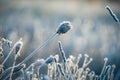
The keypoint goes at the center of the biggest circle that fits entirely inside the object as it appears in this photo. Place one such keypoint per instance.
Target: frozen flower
(64, 27)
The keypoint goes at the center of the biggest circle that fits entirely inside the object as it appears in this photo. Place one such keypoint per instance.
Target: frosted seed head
(49, 60)
(18, 47)
(106, 59)
(72, 57)
(80, 55)
(24, 65)
(64, 27)
(91, 59)
(86, 55)
(28, 72)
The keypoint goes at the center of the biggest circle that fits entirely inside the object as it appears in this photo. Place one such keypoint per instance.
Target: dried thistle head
(64, 27)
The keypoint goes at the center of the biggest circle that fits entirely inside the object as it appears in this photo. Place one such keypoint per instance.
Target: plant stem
(39, 47)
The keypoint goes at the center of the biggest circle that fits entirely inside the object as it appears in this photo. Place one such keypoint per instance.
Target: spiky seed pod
(64, 27)
(62, 51)
(18, 47)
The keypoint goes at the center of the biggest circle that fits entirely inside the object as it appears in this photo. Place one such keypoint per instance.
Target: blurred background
(94, 31)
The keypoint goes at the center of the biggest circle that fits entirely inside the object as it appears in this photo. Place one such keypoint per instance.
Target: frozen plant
(65, 69)
(68, 68)
(64, 27)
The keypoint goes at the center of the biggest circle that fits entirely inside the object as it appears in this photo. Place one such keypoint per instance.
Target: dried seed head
(64, 27)
(49, 60)
(19, 67)
(18, 47)
(86, 55)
